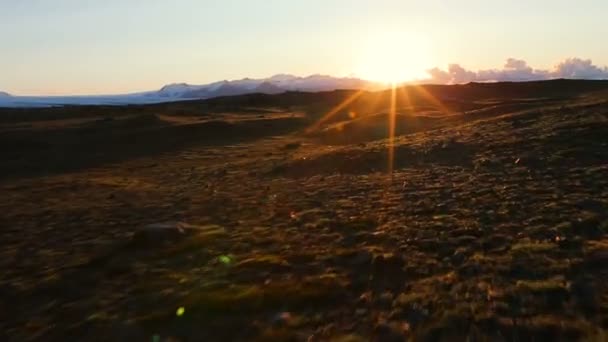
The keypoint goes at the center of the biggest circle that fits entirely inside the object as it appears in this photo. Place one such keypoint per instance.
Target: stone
(387, 263)
(458, 257)
(390, 332)
(173, 231)
(384, 300)
(588, 225)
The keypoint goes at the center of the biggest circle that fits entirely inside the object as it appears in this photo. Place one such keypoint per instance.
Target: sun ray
(428, 96)
(373, 103)
(392, 117)
(406, 95)
(335, 110)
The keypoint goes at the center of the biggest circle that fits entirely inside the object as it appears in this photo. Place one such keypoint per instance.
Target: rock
(361, 312)
(346, 338)
(564, 228)
(393, 332)
(458, 257)
(530, 161)
(118, 331)
(585, 293)
(573, 243)
(466, 240)
(282, 319)
(496, 241)
(518, 123)
(360, 258)
(396, 314)
(173, 231)
(384, 300)
(591, 205)
(292, 145)
(416, 314)
(428, 245)
(387, 264)
(588, 225)
(597, 258)
(486, 163)
(365, 298)
(541, 232)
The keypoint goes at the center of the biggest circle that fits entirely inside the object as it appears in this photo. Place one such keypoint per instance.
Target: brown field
(265, 220)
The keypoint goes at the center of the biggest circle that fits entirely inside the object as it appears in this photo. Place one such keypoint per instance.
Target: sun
(394, 57)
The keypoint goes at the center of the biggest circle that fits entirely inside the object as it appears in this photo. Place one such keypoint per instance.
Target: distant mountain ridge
(272, 85)
(183, 91)
(316, 83)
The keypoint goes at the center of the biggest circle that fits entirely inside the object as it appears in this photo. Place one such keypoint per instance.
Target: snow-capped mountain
(268, 88)
(4, 94)
(182, 91)
(173, 90)
(272, 85)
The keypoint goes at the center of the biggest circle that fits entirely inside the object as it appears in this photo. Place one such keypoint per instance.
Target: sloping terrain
(153, 224)
(181, 91)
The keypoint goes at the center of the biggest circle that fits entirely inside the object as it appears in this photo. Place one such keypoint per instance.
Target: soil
(229, 220)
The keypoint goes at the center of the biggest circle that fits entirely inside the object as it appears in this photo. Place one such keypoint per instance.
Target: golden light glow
(432, 99)
(394, 57)
(392, 122)
(398, 67)
(335, 110)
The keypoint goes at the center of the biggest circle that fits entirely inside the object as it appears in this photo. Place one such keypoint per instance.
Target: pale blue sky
(114, 46)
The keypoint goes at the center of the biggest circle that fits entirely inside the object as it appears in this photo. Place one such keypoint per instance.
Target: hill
(183, 91)
(297, 216)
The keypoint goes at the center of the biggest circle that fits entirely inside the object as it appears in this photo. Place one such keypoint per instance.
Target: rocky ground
(489, 229)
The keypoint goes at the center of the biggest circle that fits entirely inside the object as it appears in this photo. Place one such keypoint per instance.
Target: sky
(56, 47)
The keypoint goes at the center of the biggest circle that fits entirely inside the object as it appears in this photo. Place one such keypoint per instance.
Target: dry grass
(492, 227)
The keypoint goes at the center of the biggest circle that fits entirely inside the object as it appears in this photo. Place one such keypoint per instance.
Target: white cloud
(518, 70)
(580, 68)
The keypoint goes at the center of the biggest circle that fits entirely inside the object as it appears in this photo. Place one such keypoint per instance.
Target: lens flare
(335, 111)
(422, 91)
(392, 121)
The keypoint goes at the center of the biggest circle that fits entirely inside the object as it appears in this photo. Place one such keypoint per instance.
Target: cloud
(580, 68)
(518, 70)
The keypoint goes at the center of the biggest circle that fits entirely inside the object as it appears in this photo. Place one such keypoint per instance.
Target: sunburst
(398, 95)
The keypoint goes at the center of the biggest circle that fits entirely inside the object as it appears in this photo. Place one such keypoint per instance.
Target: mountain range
(183, 91)
(272, 85)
